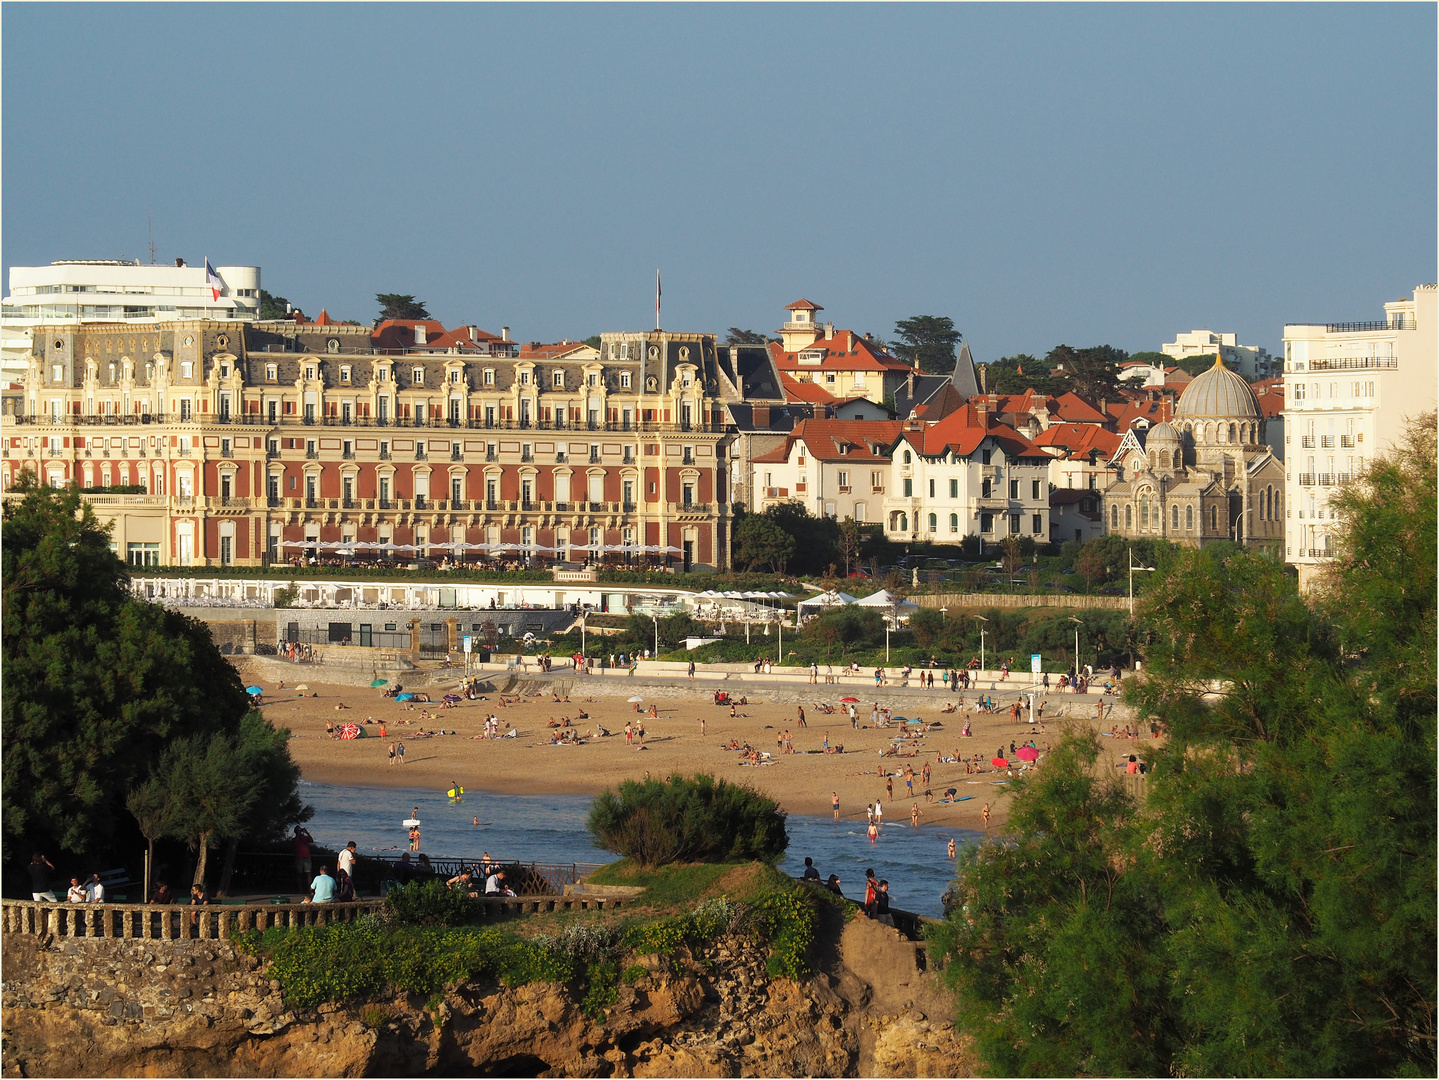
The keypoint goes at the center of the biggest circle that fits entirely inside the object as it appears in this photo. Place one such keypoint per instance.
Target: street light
(982, 619)
(1133, 566)
(582, 633)
(1077, 625)
(656, 618)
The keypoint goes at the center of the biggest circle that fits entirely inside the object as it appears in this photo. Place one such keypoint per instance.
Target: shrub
(688, 819)
(429, 903)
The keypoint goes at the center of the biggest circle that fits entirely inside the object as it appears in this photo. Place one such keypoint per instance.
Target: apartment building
(842, 363)
(834, 468)
(256, 442)
(1349, 390)
(1250, 361)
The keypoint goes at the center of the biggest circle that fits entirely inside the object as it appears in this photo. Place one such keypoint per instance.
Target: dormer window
(333, 345)
(811, 356)
(455, 376)
(624, 380)
(489, 377)
(843, 449)
(524, 378)
(57, 373)
(345, 374)
(688, 380)
(225, 370)
(187, 369)
(417, 377)
(594, 379)
(309, 371)
(559, 380)
(384, 374)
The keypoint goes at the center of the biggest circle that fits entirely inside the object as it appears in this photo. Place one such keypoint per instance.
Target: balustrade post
(53, 922)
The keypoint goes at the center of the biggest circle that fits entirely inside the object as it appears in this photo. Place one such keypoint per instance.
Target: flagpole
(657, 299)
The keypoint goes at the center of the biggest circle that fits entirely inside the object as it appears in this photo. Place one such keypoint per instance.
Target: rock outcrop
(93, 1007)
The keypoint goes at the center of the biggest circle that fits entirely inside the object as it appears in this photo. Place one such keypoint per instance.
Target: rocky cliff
(98, 1007)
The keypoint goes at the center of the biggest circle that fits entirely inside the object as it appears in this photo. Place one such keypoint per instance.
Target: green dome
(1218, 392)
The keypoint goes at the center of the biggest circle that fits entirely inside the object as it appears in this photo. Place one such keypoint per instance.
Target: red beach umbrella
(1027, 753)
(998, 762)
(349, 731)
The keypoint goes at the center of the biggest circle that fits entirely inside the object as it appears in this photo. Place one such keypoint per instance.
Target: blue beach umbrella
(254, 691)
(404, 697)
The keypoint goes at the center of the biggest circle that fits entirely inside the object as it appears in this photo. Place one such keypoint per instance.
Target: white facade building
(110, 292)
(966, 475)
(1248, 360)
(1349, 391)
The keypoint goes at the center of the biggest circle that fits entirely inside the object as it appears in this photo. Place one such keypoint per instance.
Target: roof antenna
(150, 232)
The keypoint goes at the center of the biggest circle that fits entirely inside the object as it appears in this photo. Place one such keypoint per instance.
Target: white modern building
(835, 468)
(1251, 361)
(1349, 391)
(110, 291)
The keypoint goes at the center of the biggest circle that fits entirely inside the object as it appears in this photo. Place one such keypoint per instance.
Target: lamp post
(982, 619)
(582, 633)
(1133, 566)
(656, 618)
(888, 624)
(1077, 625)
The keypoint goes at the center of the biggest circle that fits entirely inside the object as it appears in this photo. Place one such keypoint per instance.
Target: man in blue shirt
(322, 889)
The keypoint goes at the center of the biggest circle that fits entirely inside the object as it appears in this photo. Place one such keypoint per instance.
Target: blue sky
(1041, 174)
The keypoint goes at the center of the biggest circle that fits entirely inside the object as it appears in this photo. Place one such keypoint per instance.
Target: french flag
(212, 279)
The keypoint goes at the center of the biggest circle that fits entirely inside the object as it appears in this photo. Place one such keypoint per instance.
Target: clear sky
(1041, 174)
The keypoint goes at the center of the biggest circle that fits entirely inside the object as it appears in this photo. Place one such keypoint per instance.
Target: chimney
(983, 381)
(504, 333)
(761, 416)
(909, 385)
(420, 337)
(829, 330)
(474, 333)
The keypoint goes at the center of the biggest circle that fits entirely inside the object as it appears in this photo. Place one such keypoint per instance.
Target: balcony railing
(259, 420)
(1326, 479)
(1320, 553)
(1346, 441)
(312, 455)
(1397, 323)
(492, 504)
(1306, 441)
(1356, 363)
(1326, 441)
(1342, 478)
(1306, 479)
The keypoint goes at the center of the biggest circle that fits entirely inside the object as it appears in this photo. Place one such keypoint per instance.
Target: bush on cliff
(688, 819)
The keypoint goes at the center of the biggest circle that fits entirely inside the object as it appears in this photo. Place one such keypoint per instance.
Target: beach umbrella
(404, 697)
(303, 686)
(998, 762)
(636, 700)
(379, 682)
(254, 691)
(453, 697)
(1027, 753)
(850, 700)
(350, 731)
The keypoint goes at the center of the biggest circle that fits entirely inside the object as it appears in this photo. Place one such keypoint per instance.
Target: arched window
(1128, 516)
(1174, 517)
(1189, 517)
(1144, 511)
(954, 523)
(933, 523)
(1154, 459)
(1231, 432)
(1114, 517)
(1178, 460)
(1214, 519)
(906, 457)
(903, 522)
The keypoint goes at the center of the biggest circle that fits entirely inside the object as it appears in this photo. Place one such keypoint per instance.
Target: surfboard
(410, 823)
(455, 792)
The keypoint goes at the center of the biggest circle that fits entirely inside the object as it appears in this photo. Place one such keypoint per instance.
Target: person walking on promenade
(40, 870)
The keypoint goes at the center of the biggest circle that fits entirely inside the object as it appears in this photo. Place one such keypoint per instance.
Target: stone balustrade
(219, 922)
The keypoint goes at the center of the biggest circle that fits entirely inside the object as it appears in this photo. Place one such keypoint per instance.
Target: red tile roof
(795, 390)
(863, 440)
(845, 351)
(1123, 414)
(803, 305)
(963, 430)
(1078, 440)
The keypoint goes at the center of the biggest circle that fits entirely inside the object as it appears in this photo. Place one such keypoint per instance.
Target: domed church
(1204, 475)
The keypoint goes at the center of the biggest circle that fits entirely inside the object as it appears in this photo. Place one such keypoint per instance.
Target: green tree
(928, 341)
(97, 683)
(688, 819)
(736, 336)
(593, 341)
(759, 541)
(850, 541)
(214, 790)
(399, 306)
(1092, 373)
(273, 307)
(1267, 906)
(1021, 372)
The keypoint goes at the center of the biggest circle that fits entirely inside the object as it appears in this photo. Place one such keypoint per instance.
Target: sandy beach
(801, 782)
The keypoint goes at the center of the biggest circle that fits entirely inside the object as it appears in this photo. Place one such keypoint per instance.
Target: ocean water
(551, 829)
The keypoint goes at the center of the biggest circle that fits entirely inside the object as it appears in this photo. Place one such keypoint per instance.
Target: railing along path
(219, 922)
